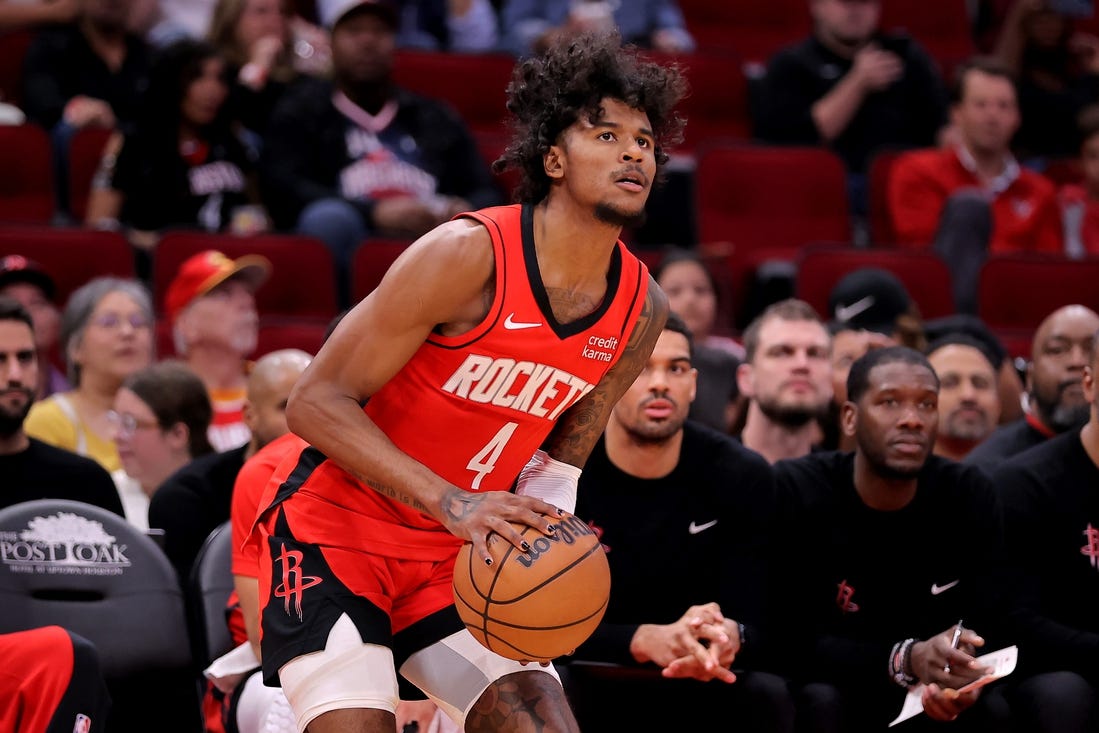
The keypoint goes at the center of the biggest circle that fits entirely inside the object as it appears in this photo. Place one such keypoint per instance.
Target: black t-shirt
(1005, 442)
(45, 472)
(856, 580)
(192, 502)
(694, 536)
(908, 113)
(162, 190)
(1050, 495)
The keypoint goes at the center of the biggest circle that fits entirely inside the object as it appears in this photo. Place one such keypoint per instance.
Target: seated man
(683, 512)
(969, 405)
(25, 281)
(973, 198)
(30, 468)
(868, 605)
(1051, 518)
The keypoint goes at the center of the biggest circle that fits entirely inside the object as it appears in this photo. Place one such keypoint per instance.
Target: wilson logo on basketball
(568, 530)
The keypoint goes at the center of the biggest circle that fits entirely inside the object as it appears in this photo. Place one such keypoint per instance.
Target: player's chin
(621, 215)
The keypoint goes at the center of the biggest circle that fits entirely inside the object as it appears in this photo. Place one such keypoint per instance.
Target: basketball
(535, 605)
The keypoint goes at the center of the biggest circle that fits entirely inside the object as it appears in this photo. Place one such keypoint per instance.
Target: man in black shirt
(852, 88)
(1055, 397)
(31, 469)
(881, 552)
(683, 512)
(1051, 519)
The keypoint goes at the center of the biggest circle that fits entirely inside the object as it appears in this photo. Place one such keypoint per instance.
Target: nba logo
(83, 724)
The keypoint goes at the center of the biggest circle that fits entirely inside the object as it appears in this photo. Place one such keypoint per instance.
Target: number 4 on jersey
(484, 462)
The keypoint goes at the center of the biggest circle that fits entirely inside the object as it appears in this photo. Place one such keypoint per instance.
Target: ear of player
(536, 605)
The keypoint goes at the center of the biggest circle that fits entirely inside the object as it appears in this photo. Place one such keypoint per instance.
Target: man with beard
(211, 305)
(33, 469)
(787, 378)
(1055, 397)
(356, 156)
(1051, 516)
(869, 602)
(969, 405)
(660, 489)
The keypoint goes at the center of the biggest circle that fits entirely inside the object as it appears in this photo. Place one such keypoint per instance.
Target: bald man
(191, 503)
(1054, 387)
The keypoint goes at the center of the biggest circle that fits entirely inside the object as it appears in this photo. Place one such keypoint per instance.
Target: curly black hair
(549, 93)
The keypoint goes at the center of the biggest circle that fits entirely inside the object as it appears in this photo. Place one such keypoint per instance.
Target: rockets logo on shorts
(526, 386)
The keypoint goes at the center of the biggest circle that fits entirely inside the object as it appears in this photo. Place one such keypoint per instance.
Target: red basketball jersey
(475, 407)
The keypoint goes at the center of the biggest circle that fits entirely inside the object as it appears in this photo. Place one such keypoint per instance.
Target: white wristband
(549, 480)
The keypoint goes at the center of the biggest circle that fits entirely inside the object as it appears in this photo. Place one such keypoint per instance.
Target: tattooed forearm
(458, 504)
(576, 433)
(396, 494)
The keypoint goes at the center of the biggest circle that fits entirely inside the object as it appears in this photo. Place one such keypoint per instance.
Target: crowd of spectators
(843, 435)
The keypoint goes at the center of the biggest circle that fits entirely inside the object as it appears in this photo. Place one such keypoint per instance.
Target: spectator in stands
(192, 502)
(212, 308)
(183, 166)
(88, 73)
(532, 26)
(969, 405)
(161, 417)
(1054, 387)
(660, 490)
(106, 335)
(33, 469)
(692, 295)
(358, 156)
(1050, 520)
(25, 281)
(787, 378)
(973, 199)
(874, 299)
(51, 681)
(852, 88)
(1080, 202)
(1057, 70)
(255, 38)
(463, 26)
(860, 629)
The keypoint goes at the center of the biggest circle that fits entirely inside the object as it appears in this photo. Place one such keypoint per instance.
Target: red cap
(201, 273)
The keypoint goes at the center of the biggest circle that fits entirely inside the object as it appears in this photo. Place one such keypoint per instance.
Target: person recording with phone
(852, 88)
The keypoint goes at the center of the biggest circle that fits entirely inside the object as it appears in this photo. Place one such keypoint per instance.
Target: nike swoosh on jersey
(696, 528)
(937, 589)
(512, 325)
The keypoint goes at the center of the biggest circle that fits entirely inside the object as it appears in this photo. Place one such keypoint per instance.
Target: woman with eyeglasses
(106, 335)
(160, 421)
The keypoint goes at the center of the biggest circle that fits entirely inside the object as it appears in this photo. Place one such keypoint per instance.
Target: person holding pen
(881, 551)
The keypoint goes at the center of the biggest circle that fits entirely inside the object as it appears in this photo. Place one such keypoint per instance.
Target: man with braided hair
(490, 356)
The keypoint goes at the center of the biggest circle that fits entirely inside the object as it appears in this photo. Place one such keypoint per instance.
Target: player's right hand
(474, 516)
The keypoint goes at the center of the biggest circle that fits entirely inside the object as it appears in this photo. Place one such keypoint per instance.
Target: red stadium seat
(26, 188)
(881, 223)
(72, 257)
(924, 275)
(752, 29)
(474, 84)
(85, 152)
(370, 263)
(276, 333)
(1015, 292)
(716, 107)
(302, 282)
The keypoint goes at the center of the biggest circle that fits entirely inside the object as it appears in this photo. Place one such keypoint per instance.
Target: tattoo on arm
(574, 436)
(458, 504)
(397, 495)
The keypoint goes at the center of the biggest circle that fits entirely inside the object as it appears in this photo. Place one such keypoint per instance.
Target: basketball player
(490, 355)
